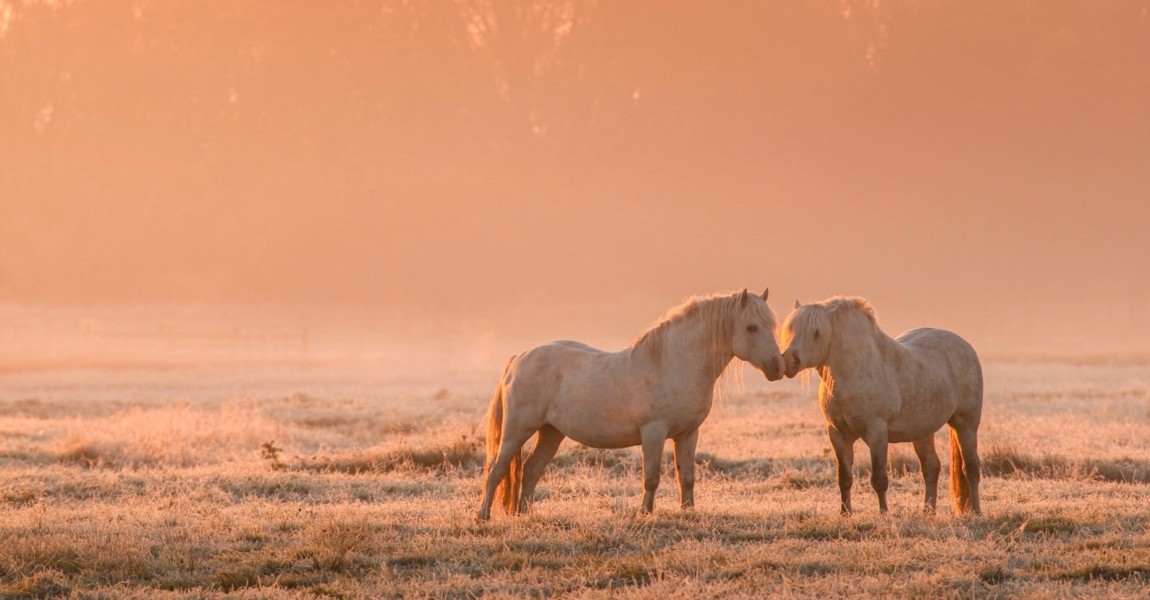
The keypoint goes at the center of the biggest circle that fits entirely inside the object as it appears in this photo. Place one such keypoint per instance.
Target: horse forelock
(805, 318)
(763, 312)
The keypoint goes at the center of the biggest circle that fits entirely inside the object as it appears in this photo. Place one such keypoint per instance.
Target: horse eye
(752, 328)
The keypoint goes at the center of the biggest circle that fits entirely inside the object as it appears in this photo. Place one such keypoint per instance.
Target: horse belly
(595, 416)
(920, 417)
(597, 425)
(899, 432)
(607, 438)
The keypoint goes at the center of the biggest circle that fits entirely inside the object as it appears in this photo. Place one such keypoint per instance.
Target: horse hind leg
(506, 466)
(965, 470)
(685, 467)
(546, 445)
(931, 467)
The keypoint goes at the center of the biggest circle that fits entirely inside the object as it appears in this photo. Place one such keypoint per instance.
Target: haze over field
(571, 169)
(261, 264)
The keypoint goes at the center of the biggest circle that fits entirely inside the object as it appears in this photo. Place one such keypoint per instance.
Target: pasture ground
(353, 482)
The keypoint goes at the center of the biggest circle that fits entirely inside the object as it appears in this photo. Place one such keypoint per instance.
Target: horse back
(949, 359)
(552, 362)
(589, 395)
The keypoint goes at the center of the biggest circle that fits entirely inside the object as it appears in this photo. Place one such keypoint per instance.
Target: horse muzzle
(774, 368)
(792, 364)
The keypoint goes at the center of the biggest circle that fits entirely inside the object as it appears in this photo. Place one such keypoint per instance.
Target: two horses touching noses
(661, 387)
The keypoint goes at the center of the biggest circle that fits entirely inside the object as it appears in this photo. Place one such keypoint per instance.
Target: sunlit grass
(305, 495)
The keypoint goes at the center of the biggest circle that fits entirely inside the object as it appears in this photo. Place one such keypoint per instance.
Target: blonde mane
(806, 318)
(832, 308)
(717, 312)
(851, 303)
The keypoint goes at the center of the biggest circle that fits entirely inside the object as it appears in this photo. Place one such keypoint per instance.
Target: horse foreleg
(844, 457)
(685, 466)
(931, 466)
(546, 445)
(654, 436)
(876, 440)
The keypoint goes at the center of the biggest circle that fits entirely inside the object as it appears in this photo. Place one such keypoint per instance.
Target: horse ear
(743, 298)
(765, 292)
(798, 304)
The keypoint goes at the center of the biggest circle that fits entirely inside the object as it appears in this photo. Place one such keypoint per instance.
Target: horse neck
(858, 346)
(693, 347)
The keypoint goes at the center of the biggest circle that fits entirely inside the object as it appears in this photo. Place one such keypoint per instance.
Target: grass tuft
(624, 462)
(334, 545)
(994, 575)
(1119, 471)
(1007, 460)
(1106, 572)
(232, 579)
(462, 454)
(86, 454)
(42, 584)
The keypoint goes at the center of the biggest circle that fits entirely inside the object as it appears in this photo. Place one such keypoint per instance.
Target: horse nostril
(796, 357)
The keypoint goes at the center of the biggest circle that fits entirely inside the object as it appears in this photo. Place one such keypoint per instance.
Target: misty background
(306, 177)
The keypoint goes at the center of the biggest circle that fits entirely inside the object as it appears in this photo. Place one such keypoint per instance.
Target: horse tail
(959, 486)
(510, 487)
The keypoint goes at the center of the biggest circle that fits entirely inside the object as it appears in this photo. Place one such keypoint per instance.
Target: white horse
(660, 387)
(885, 390)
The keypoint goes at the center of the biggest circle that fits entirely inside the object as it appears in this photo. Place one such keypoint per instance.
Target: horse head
(806, 337)
(753, 335)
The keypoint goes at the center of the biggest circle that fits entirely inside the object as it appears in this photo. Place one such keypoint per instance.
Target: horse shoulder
(850, 403)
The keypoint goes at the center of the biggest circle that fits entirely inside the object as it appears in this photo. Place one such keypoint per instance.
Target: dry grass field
(349, 482)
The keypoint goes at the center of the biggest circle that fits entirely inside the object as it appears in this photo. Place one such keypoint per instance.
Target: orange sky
(571, 169)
